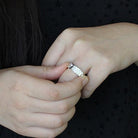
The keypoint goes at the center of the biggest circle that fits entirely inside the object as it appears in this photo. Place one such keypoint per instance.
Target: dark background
(112, 111)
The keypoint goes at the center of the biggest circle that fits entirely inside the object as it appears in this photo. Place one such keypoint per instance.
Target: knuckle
(79, 42)
(17, 86)
(59, 122)
(64, 107)
(20, 105)
(54, 95)
(20, 119)
(44, 69)
(68, 31)
(82, 45)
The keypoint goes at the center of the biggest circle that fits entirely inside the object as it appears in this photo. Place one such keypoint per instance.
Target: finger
(96, 77)
(50, 120)
(57, 107)
(68, 75)
(63, 43)
(57, 49)
(75, 53)
(43, 72)
(67, 89)
(46, 90)
(43, 132)
(80, 63)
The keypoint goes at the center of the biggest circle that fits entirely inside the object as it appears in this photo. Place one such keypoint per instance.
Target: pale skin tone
(98, 51)
(32, 105)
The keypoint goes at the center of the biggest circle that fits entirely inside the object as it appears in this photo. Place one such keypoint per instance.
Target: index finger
(47, 90)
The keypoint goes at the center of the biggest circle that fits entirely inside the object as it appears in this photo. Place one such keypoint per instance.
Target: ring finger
(82, 63)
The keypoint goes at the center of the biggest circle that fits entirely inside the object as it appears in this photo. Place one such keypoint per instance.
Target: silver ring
(75, 69)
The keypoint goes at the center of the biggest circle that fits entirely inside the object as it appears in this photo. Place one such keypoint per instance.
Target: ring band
(75, 69)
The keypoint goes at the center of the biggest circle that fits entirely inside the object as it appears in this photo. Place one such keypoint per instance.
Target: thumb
(43, 72)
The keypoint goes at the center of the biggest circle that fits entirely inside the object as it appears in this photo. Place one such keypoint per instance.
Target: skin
(32, 105)
(97, 51)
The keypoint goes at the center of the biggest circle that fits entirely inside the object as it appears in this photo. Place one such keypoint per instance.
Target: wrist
(136, 46)
(136, 62)
(130, 38)
(133, 41)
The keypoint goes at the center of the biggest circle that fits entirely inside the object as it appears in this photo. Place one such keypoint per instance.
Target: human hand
(98, 51)
(32, 106)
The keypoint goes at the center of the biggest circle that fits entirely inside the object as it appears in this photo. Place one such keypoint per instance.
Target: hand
(98, 51)
(32, 106)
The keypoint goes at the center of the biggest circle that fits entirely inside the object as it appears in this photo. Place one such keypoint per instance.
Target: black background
(112, 111)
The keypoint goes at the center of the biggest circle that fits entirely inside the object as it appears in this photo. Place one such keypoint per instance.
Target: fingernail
(67, 64)
(64, 64)
(85, 80)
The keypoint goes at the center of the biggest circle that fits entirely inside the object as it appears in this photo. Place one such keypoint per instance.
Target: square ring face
(75, 69)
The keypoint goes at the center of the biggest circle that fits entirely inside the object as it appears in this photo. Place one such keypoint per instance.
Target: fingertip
(66, 64)
(85, 94)
(62, 67)
(53, 72)
(83, 80)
